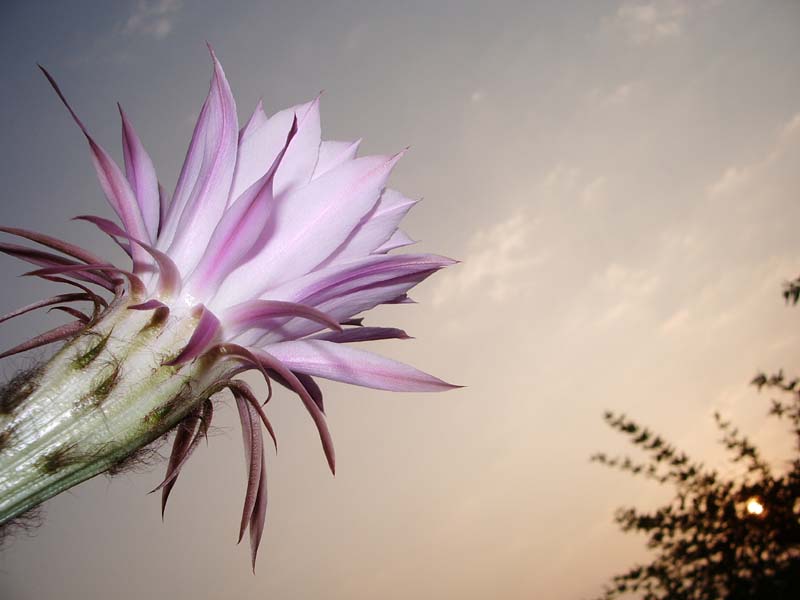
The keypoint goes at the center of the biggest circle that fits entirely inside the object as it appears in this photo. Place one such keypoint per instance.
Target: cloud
(507, 259)
(658, 20)
(652, 22)
(617, 96)
(736, 179)
(747, 216)
(153, 18)
(495, 265)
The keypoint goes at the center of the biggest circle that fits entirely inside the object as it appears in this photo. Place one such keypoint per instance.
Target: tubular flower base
(272, 242)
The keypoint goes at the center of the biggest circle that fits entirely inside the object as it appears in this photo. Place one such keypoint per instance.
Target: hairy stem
(100, 398)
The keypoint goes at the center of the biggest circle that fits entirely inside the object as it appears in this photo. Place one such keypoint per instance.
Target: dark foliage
(718, 538)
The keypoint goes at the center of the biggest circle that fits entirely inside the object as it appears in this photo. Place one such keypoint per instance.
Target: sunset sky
(621, 183)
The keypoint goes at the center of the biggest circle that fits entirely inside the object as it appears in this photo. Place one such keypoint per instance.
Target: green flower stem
(102, 397)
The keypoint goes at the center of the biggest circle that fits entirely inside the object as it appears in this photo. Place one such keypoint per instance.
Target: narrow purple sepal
(56, 334)
(46, 302)
(202, 339)
(363, 334)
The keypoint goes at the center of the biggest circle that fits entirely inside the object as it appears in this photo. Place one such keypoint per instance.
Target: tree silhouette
(718, 537)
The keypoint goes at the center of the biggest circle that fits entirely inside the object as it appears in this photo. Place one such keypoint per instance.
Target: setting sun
(754, 507)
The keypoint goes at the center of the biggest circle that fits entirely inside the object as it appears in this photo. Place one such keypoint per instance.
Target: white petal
(358, 367)
(307, 226)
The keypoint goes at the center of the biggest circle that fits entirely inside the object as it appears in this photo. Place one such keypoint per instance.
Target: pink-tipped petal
(236, 233)
(308, 224)
(141, 175)
(375, 228)
(116, 188)
(202, 339)
(163, 205)
(332, 154)
(358, 367)
(301, 156)
(256, 121)
(346, 290)
(399, 239)
(260, 144)
(261, 313)
(202, 192)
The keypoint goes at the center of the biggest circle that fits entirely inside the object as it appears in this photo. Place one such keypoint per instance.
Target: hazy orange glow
(754, 507)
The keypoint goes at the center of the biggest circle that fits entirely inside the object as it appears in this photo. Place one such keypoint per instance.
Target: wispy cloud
(652, 22)
(496, 263)
(619, 95)
(658, 20)
(736, 178)
(154, 18)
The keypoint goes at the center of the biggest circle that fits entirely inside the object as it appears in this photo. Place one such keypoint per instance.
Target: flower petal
(399, 239)
(256, 121)
(261, 141)
(332, 154)
(252, 313)
(141, 175)
(358, 367)
(201, 194)
(237, 232)
(169, 282)
(116, 188)
(308, 225)
(375, 229)
(301, 157)
(343, 291)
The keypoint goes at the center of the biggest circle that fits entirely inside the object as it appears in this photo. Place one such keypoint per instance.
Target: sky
(619, 181)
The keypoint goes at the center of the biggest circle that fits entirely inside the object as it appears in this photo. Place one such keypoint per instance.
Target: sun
(754, 506)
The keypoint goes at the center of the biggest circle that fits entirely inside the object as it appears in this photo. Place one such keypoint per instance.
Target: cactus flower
(271, 244)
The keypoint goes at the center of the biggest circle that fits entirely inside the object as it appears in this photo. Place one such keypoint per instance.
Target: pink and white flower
(271, 244)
